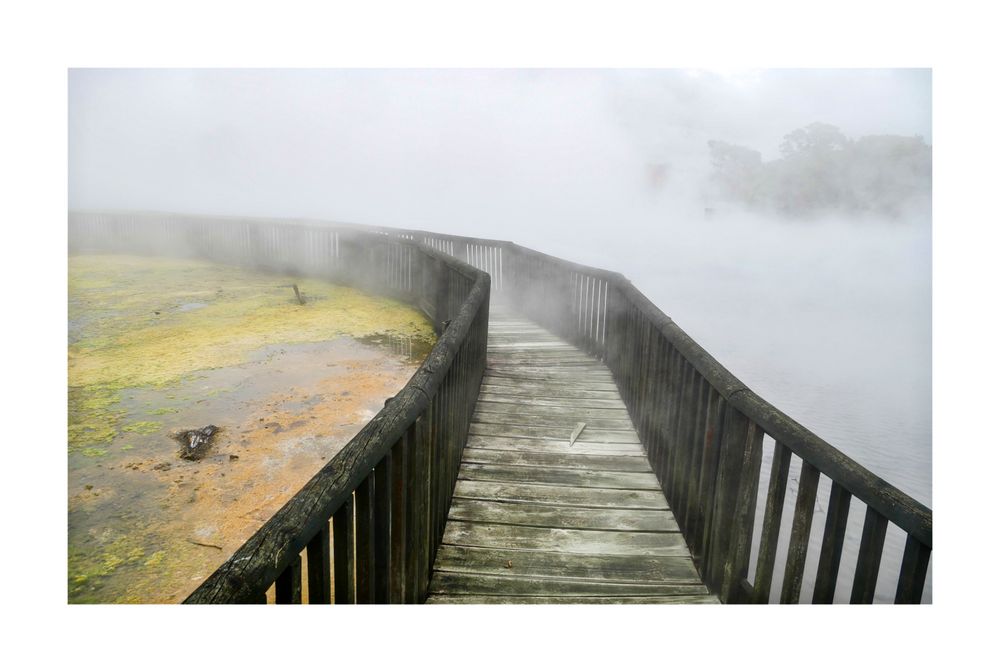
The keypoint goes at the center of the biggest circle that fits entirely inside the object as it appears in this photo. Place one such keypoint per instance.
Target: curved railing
(704, 432)
(366, 527)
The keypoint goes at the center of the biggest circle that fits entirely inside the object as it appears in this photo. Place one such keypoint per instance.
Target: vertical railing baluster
(381, 530)
(798, 545)
(400, 557)
(343, 553)
(869, 557)
(365, 542)
(912, 572)
(318, 560)
(415, 512)
(777, 485)
(837, 512)
(689, 493)
(701, 543)
(288, 587)
(734, 438)
(738, 562)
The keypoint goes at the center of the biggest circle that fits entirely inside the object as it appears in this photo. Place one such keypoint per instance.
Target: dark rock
(196, 442)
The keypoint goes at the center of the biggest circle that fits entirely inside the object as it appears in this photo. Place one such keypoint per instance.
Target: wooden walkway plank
(581, 478)
(564, 517)
(588, 542)
(554, 446)
(445, 598)
(529, 493)
(527, 432)
(534, 519)
(635, 463)
(544, 402)
(613, 568)
(478, 584)
(560, 422)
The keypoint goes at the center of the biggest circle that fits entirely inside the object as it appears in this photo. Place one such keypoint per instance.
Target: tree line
(822, 170)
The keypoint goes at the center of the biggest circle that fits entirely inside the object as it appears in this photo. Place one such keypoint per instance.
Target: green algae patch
(156, 559)
(143, 427)
(149, 322)
(85, 568)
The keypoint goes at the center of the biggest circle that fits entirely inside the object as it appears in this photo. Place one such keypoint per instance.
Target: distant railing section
(364, 529)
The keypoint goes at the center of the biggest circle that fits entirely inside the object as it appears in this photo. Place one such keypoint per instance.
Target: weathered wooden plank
(540, 357)
(514, 377)
(559, 423)
(552, 391)
(542, 515)
(521, 432)
(456, 583)
(561, 495)
(530, 347)
(551, 374)
(561, 364)
(555, 382)
(557, 388)
(580, 599)
(619, 568)
(554, 446)
(583, 478)
(547, 401)
(568, 413)
(458, 533)
(594, 372)
(566, 461)
(513, 342)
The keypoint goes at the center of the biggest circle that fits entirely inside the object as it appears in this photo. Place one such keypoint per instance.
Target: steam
(609, 168)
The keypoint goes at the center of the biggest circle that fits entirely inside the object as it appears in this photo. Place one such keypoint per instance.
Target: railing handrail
(903, 510)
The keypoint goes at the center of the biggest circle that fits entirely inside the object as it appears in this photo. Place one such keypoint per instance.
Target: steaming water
(829, 321)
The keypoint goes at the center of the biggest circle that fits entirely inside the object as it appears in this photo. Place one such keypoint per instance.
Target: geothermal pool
(160, 346)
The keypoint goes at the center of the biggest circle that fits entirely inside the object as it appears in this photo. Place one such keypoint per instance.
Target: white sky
(432, 147)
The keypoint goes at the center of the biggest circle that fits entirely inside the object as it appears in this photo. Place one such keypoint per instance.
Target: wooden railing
(366, 527)
(703, 429)
(704, 433)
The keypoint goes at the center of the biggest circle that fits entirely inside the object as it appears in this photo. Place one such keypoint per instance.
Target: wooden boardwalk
(537, 520)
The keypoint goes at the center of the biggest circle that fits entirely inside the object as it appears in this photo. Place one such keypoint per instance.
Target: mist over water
(827, 316)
